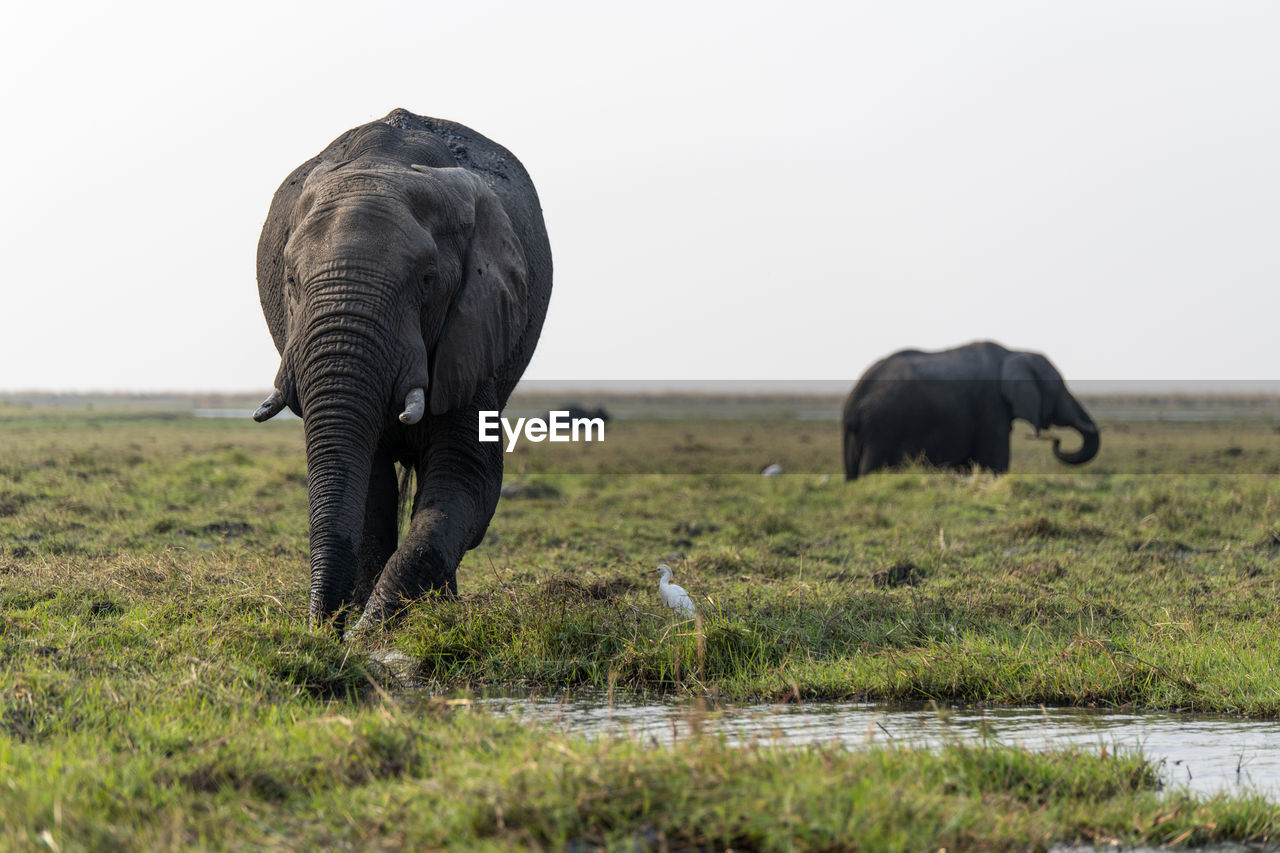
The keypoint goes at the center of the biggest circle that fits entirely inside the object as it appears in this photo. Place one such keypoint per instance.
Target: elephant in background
(578, 410)
(404, 273)
(955, 408)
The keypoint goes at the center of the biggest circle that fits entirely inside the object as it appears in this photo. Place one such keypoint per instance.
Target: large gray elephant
(404, 272)
(955, 408)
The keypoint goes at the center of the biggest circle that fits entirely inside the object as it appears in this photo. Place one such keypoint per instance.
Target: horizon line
(799, 387)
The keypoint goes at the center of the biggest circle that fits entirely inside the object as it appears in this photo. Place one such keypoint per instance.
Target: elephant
(955, 409)
(404, 273)
(578, 410)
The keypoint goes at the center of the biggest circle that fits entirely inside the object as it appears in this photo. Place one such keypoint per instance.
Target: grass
(378, 779)
(159, 687)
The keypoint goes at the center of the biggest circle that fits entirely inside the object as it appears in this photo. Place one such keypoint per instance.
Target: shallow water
(1202, 753)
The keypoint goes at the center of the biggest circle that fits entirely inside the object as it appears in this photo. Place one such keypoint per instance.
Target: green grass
(380, 779)
(159, 687)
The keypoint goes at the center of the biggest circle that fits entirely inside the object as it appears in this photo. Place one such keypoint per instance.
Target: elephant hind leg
(875, 455)
(381, 523)
(852, 455)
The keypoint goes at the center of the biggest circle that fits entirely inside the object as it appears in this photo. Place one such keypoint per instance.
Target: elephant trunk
(339, 459)
(345, 394)
(1088, 430)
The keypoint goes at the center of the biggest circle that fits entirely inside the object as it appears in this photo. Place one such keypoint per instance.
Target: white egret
(673, 596)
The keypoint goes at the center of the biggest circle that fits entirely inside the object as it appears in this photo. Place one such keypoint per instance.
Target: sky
(733, 191)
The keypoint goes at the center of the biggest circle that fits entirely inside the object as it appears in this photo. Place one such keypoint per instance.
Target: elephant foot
(390, 600)
(411, 575)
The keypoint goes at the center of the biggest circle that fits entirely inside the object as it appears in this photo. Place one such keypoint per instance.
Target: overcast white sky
(733, 191)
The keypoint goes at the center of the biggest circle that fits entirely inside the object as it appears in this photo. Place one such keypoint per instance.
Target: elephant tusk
(270, 407)
(414, 405)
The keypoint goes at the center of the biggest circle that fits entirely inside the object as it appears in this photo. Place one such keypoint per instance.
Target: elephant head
(404, 289)
(1035, 392)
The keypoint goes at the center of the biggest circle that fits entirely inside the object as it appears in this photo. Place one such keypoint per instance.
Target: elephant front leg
(458, 487)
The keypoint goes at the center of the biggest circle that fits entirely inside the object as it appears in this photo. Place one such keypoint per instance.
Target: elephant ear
(489, 312)
(1020, 389)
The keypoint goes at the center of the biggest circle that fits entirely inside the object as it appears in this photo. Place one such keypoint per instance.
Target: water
(1205, 754)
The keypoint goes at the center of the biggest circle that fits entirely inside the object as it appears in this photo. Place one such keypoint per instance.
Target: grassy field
(159, 686)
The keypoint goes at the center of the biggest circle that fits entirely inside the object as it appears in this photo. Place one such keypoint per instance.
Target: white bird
(673, 596)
